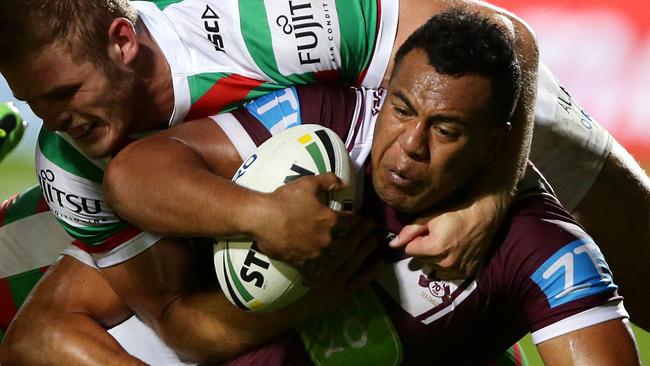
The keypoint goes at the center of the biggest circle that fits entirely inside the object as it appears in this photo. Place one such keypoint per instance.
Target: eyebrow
(399, 94)
(441, 117)
(53, 91)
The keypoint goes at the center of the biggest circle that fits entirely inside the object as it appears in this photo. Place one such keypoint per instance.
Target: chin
(397, 200)
(94, 152)
(405, 207)
(108, 145)
(99, 149)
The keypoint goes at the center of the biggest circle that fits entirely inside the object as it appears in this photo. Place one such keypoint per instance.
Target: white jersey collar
(165, 34)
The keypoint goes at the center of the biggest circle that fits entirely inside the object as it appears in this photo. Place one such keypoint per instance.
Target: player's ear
(122, 41)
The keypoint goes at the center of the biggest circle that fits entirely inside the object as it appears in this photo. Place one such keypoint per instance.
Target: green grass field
(17, 173)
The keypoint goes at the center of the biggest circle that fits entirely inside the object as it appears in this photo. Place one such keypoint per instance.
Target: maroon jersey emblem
(437, 288)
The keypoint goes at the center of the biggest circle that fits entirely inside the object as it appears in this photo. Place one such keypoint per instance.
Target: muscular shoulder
(536, 228)
(549, 264)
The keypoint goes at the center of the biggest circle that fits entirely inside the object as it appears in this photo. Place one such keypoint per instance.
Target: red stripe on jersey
(363, 73)
(110, 243)
(5, 207)
(362, 76)
(42, 205)
(516, 351)
(226, 91)
(7, 306)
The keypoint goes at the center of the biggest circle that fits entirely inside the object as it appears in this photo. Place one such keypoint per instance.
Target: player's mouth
(403, 178)
(82, 132)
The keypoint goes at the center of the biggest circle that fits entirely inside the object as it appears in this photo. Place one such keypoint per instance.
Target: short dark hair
(81, 26)
(458, 42)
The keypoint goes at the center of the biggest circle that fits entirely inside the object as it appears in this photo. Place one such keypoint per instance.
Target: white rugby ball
(251, 280)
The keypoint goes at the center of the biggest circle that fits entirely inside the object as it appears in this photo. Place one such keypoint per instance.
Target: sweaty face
(432, 134)
(92, 104)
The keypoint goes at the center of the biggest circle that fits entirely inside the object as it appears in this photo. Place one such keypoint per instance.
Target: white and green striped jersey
(223, 52)
(71, 184)
(30, 240)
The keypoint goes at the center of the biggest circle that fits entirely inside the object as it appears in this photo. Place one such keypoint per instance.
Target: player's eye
(401, 112)
(63, 93)
(446, 133)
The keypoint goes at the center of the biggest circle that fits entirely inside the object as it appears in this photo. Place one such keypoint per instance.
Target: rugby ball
(251, 280)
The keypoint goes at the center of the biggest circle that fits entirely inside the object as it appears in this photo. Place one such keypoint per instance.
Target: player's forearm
(65, 339)
(167, 287)
(189, 199)
(63, 320)
(219, 330)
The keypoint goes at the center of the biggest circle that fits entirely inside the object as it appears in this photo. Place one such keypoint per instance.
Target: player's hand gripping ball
(251, 280)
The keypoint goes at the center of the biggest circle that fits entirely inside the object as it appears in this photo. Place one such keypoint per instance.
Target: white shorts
(140, 341)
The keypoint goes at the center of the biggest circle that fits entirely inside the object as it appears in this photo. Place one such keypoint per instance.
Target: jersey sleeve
(568, 146)
(71, 184)
(30, 240)
(556, 272)
(350, 112)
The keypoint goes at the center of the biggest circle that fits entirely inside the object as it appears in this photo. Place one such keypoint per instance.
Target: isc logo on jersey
(250, 279)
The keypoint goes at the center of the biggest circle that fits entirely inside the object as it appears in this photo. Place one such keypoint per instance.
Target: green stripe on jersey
(61, 153)
(25, 205)
(257, 36)
(201, 83)
(357, 43)
(2, 335)
(22, 284)
(162, 4)
(94, 235)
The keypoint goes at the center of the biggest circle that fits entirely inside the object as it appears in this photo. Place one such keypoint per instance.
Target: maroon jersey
(543, 274)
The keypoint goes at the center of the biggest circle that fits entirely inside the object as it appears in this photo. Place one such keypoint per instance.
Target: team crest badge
(437, 288)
